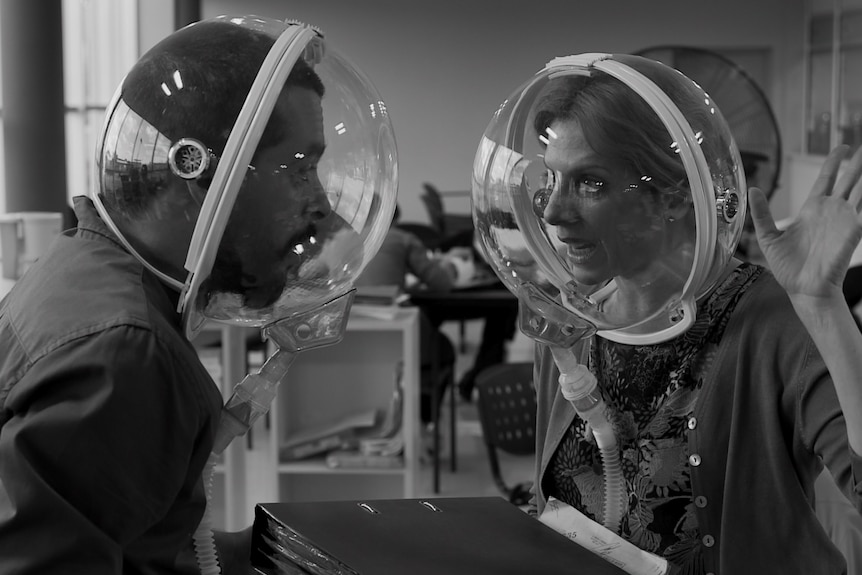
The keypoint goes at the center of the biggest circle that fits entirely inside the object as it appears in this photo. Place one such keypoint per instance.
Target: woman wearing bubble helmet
(246, 175)
(686, 400)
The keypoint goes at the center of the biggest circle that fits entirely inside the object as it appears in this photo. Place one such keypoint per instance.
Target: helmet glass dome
(269, 148)
(611, 185)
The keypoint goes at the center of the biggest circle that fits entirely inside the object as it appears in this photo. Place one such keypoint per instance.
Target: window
(100, 42)
(99, 45)
(834, 57)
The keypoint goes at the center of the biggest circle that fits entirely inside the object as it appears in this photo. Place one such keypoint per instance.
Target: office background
(442, 67)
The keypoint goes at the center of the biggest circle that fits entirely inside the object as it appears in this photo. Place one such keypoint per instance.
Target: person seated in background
(403, 254)
(499, 324)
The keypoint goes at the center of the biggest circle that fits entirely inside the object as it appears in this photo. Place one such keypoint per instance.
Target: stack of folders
(322, 439)
(380, 302)
(382, 448)
(377, 295)
(439, 536)
(372, 454)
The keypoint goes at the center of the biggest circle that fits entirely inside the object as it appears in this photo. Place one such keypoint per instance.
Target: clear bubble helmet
(609, 195)
(260, 140)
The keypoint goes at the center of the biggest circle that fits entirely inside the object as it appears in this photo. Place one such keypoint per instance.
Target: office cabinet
(322, 385)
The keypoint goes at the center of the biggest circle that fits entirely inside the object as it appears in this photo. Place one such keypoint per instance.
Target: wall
(155, 21)
(444, 66)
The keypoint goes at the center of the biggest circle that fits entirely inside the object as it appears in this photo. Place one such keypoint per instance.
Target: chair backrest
(434, 206)
(507, 407)
(454, 229)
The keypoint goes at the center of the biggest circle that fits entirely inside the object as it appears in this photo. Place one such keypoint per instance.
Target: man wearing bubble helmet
(686, 400)
(246, 175)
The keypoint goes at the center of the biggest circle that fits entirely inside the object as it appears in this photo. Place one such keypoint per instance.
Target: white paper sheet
(567, 520)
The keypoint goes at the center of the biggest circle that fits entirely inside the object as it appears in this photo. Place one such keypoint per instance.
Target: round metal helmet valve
(728, 205)
(540, 201)
(610, 185)
(188, 158)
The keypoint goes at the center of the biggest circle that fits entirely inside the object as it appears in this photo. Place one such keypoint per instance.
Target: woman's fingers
(847, 186)
(825, 183)
(761, 216)
(854, 180)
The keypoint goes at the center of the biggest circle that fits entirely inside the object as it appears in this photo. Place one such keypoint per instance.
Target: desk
(473, 303)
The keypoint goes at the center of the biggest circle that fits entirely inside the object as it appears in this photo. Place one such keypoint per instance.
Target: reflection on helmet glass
(273, 226)
(610, 225)
(598, 182)
(281, 143)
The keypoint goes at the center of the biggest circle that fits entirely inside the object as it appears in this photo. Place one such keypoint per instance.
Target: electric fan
(741, 101)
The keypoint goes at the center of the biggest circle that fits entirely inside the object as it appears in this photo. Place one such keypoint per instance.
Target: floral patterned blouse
(651, 391)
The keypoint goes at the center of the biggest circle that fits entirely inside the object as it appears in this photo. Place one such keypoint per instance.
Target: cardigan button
(692, 422)
(694, 459)
(700, 501)
(708, 540)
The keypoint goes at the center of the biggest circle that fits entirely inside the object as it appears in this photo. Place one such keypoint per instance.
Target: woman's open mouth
(580, 252)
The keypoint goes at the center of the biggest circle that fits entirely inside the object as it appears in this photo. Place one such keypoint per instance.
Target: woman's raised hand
(810, 257)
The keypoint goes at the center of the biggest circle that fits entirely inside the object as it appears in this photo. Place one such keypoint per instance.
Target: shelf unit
(322, 385)
(832, 106)
(331, 383)
(833, 56)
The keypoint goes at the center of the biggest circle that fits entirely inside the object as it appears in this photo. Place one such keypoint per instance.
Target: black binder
(435, 536)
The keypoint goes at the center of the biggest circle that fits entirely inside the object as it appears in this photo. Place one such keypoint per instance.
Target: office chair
(454, 230)
(447, 225)
(507, 413)
(437, 375)
(434, 206)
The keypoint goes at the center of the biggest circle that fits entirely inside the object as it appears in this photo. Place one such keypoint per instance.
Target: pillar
(31, 46)
(186, 12)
